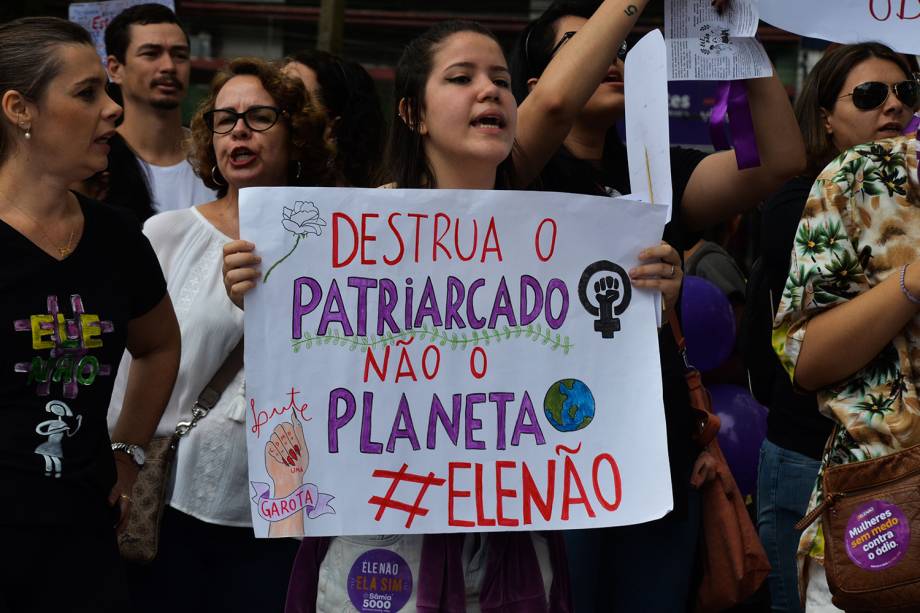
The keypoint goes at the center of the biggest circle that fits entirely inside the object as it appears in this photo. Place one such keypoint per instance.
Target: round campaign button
(379, 580)
(877, 535)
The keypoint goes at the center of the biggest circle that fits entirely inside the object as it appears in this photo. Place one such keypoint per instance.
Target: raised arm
(547, 114)
(717, 190)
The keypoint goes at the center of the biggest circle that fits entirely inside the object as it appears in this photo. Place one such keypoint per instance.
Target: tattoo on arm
(631, 10)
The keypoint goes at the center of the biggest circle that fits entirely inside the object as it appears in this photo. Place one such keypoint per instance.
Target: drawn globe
(569, 405)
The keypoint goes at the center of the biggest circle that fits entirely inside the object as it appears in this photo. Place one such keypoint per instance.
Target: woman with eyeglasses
(855, 94)
(650, 566)
(258, 127)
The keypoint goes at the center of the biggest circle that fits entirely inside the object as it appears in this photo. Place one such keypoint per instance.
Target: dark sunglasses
(256, 118)
(873, 94)
(621, 52)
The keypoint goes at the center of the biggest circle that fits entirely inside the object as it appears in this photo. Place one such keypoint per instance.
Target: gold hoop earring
(215, 174)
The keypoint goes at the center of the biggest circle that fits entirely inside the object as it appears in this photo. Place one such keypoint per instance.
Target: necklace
(63, 251)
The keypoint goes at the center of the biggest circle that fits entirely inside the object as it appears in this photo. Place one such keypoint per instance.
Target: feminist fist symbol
(607, 291)
(612, 293)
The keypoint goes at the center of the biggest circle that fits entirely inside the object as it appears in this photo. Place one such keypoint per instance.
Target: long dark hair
(408, 165)
(531, 53)
(29, 60)
(822, 89)
(347, 93)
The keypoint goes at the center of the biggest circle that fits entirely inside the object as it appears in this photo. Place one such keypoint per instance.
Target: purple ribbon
(306, 498)
(913, 125)
(733, 103)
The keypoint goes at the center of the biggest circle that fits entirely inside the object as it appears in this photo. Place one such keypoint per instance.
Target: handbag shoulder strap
(708, 423)
(674, 324)
(213, 390)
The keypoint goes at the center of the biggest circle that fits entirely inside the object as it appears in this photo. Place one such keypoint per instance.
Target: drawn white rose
(302, 219)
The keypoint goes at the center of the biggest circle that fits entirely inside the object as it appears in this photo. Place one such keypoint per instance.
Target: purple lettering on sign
(529, 315)
(387, 299)
(334, 299)
(403, 427)
(502, 306)
(428, 307)
(362, 284)
(300, 309)
(476, 323)
(451, 424)
(455, 292)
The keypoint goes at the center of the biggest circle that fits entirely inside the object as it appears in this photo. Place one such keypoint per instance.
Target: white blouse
(210, 480)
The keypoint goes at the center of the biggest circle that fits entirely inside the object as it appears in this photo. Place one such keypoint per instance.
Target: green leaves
(453, 340)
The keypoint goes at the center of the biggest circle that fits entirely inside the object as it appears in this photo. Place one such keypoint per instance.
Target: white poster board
(895, 23)
(449, 360)
(705, 45)
(95, 16)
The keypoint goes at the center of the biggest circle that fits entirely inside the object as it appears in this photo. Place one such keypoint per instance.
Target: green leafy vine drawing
(536, 333)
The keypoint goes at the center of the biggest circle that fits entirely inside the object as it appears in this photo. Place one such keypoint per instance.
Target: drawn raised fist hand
(286, 456)
(606, 291)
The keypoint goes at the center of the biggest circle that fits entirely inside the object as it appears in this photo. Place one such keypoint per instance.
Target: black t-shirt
(64, 333)
(793, 421)
(565, 173)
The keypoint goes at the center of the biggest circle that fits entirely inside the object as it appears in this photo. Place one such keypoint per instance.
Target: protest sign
(892, 22)
(705, 45)
(95, 17)
(450, 360)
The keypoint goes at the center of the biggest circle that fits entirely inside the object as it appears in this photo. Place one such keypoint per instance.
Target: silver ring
(673, 268)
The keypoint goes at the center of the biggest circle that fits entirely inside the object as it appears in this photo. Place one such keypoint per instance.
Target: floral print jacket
(861, 223)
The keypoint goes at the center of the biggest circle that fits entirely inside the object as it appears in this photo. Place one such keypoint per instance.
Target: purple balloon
(744, 427)
(708, 323)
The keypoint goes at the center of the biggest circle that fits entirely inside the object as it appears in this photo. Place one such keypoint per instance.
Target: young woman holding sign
(456, 129)
(608, 573)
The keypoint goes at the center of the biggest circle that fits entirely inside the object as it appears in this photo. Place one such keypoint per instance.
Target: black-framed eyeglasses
(873, 94)
(256, 118)
(621, 52)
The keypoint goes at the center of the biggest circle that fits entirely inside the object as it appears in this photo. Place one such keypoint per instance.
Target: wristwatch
(135, 452)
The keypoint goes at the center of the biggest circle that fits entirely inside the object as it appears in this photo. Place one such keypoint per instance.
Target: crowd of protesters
(160, 309)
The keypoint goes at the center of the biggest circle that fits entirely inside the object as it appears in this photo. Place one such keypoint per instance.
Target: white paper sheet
(340, 388)
(704, 45)
(893, 22)
(648, 140)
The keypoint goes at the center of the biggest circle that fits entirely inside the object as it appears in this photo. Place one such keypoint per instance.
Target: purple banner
(733, 104)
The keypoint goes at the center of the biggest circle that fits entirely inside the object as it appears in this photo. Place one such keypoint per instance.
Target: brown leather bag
(732, 559)
(140, 538)
(871, 515)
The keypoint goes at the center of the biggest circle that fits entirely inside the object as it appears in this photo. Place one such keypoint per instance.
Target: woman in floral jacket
(848, 323)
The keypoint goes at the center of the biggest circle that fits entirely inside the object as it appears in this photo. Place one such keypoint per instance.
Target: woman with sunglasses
(258, 127)
(649, 567)
(855, 94)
